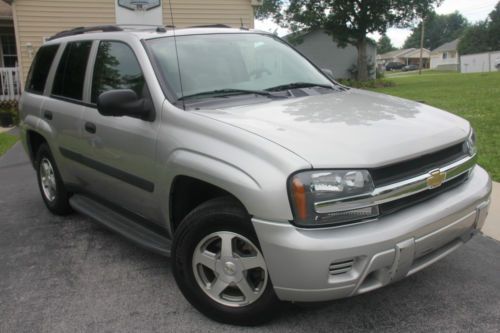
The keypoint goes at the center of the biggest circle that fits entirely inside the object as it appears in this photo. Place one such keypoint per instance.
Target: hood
(348, 129)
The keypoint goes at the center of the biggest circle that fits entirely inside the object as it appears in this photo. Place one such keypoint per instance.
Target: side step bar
(125, 226)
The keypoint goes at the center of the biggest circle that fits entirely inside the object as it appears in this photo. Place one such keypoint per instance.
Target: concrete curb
(492, 226)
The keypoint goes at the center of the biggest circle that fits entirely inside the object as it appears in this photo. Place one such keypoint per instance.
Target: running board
(122, 225)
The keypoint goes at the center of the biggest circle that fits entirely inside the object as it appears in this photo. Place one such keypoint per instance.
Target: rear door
(63, 111)
(123, 149)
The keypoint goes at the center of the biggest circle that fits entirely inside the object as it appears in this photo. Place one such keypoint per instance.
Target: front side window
(251, 62)
(116, 67)
(70, 75)
(40, 68)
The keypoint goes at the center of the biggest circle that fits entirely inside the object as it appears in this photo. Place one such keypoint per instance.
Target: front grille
(341, 267)
(420, 165)
(396, 205)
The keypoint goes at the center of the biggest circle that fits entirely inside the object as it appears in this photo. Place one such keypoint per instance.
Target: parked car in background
(394, 66)
(409, 68)
(264, 179)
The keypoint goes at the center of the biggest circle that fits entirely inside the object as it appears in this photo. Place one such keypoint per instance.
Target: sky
(473, 10)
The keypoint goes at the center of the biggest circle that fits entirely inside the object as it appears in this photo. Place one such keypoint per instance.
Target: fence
(10, 85)
(480, 62)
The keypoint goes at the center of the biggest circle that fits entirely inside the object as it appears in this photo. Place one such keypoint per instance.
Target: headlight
(329, 197)
(471, 143)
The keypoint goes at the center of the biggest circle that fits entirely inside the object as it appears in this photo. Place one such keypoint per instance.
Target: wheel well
(34, 141)
(187, 193)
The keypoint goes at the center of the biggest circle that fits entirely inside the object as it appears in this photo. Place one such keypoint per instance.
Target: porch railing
(10, 84)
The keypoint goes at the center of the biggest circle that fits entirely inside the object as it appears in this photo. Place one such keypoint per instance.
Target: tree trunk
(362, 60)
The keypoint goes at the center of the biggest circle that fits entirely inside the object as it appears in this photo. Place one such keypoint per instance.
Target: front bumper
(323, 264)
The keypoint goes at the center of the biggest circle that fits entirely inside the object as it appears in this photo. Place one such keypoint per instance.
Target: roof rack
(82, 30)
(108, 28)
(158, 28)
(211, 26)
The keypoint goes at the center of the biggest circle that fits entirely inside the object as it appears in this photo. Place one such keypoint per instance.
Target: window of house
(70, 75)
(445, 55)
(116, 67)
(37, 76)
(9, 52)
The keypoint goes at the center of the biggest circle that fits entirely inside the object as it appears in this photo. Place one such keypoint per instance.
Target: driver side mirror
(122, 102)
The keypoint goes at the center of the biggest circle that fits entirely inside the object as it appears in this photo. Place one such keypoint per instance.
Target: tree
(348, 21)
(475, 39)
(483, 36)
(494, 28)
(439, 29)
(384, 45)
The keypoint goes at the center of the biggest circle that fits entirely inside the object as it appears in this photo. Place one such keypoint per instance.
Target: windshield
(223, 62)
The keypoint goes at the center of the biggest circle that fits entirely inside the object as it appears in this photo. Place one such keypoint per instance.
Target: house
(409, 56)
(34, 21)
(10, 88)
(446, 56)
(323, 50)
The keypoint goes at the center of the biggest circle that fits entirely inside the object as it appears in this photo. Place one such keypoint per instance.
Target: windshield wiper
(226, 92)
(298, 85)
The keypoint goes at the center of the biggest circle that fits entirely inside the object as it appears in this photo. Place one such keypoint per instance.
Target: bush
(9, 117)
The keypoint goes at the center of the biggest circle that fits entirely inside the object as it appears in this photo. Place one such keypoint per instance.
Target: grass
(475, 97)
(6, 141)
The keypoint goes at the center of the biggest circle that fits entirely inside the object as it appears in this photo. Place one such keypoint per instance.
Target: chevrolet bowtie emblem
(436, 179)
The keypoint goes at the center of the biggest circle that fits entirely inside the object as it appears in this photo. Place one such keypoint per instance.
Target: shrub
(9, 117)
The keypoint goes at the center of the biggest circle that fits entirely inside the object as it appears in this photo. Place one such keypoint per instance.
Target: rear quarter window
(40, 68)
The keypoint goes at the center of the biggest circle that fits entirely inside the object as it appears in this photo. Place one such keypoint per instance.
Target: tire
(50, 183)
(207, 225)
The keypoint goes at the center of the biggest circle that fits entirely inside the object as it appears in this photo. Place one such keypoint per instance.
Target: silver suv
(262, 178)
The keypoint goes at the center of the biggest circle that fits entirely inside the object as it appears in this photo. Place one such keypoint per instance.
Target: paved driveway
(71, 275)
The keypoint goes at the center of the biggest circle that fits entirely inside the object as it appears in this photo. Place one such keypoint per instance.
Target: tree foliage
(384, 45)
(483, 36)
(494, 28)
(439, 29)
(348, 21)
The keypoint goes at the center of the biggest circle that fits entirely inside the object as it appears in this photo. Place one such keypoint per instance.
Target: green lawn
(475, 97)
(6, 141)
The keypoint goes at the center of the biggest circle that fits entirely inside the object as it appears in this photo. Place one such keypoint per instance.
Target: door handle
(47, 114)
(90, 127)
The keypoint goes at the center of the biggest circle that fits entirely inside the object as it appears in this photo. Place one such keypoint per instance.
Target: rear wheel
(49, 182)
(219, 266)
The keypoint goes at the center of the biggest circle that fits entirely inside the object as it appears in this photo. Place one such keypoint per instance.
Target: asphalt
(71, 275)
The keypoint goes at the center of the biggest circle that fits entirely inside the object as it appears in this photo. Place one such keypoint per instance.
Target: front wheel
(219, 266)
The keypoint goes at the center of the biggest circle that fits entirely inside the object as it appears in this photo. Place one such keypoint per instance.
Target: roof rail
(157, 28)
(82, 30)
(211, 26)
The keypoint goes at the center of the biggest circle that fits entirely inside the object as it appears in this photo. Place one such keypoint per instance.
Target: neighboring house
(36, 20)
(405, 56)
(321, 48)
(446, 56)
(480, 62)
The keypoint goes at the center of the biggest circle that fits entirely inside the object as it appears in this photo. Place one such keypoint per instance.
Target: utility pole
(421, 46)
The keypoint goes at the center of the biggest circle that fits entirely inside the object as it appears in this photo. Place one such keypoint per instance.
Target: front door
(123, 148)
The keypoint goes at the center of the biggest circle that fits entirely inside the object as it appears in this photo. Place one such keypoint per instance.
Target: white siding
(481, 62)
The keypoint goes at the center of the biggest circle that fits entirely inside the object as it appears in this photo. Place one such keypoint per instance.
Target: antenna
(177, 55)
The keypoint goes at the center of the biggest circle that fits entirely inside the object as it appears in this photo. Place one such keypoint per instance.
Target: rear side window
(39, 71)
(70, 74)
(116, 67)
